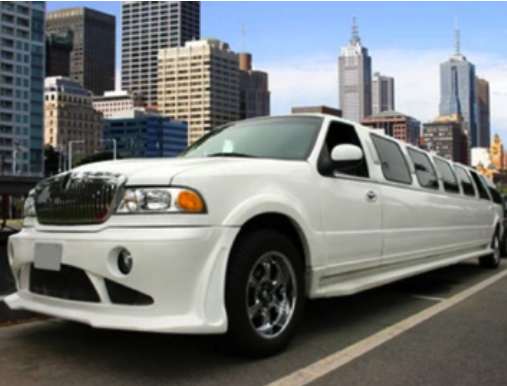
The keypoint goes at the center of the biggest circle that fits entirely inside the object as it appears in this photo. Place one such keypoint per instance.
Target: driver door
(350, 206)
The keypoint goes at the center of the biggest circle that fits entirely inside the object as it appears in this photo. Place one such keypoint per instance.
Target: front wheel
(264, 292)
(492, 260)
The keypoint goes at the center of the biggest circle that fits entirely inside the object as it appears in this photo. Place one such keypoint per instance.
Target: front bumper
(182, 268)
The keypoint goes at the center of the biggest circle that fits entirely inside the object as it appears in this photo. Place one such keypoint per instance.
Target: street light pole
(16, 148)
(14, 158)
(113, 140)
(61, 160)
(70, 151)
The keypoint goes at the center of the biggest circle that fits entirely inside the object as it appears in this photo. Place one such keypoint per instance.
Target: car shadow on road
(123, 358)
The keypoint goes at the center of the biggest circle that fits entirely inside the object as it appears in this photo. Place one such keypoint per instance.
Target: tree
(51, 160)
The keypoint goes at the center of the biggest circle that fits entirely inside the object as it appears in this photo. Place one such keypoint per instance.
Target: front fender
(308, 223)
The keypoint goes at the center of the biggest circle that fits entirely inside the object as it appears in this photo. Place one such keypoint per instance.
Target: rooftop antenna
(457, 37)
(355, 32)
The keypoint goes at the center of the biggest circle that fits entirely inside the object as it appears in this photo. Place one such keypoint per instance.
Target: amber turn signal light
(189, 201)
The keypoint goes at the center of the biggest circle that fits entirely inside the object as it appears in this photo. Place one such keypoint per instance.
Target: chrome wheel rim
(271, 294)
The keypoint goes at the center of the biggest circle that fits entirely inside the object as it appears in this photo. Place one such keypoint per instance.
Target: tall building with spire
(354, 77)
(457, 91)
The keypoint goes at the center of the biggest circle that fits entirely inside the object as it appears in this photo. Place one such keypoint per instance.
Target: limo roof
(401, 143)
(370, 130)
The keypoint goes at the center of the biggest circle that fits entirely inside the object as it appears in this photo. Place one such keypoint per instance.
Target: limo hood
(154, 171)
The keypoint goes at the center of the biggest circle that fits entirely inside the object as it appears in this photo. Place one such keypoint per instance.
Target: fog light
(125, 261)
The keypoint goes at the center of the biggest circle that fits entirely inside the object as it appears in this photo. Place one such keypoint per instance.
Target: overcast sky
(298, 44)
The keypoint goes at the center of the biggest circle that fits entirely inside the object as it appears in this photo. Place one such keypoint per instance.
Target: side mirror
(346, 153)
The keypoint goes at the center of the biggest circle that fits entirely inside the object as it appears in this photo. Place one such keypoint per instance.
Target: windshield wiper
(231, 154)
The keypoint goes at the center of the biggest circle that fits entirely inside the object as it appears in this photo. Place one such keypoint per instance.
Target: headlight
(161, 200)
(29, 207)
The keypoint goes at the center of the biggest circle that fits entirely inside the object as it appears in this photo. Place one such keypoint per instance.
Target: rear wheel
(492, 260)
(503, 245)
(264, 292)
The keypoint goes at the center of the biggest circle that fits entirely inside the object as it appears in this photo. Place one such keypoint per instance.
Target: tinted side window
(448, 177)
(394, 164)
(480, 186)
(466, 183)
(496, 196)
(424, 170)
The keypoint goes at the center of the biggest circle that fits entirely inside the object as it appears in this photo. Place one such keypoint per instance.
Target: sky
(298, 44)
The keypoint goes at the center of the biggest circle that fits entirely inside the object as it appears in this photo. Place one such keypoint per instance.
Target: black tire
(246, 255)
(504, 245)
(492, 260)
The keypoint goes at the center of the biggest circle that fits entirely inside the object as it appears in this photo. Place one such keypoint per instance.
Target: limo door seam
(382, 223)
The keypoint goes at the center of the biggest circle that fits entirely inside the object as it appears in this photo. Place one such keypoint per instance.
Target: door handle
(371, 195)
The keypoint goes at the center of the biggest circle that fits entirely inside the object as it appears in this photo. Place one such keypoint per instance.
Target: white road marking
(340, 358)
(432, 298)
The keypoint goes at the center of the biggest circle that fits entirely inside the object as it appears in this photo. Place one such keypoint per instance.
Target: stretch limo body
(233, 235)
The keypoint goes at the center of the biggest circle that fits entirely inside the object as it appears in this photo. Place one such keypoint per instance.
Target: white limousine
(235, 234)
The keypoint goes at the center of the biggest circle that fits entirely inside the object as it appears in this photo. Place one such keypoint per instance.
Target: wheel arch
(283, 223)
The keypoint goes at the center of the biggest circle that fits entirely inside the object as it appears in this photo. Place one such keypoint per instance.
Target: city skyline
(406, 50)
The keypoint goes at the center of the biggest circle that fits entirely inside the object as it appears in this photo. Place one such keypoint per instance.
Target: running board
(354, 282)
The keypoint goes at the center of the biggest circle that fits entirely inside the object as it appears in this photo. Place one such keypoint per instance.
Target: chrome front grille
(77, 198)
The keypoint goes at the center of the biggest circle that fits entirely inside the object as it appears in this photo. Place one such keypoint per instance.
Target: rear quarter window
(496, 196)
(483, 193)
(465, 181)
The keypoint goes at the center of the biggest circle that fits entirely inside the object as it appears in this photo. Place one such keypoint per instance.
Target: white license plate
(48, 256)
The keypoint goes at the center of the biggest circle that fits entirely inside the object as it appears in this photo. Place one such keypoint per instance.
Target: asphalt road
(465, 344)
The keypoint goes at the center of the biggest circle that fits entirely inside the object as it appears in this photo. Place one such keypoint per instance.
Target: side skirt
(352, 282)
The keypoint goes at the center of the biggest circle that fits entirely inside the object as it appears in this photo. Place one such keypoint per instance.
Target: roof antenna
(355, 32)
(457, 37)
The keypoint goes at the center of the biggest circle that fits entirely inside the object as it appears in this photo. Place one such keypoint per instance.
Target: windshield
(289, 138)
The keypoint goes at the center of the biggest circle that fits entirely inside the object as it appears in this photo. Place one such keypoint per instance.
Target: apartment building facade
(147, 27)
(70, 116)
(199, 84)
(113, 103)
(22, 53)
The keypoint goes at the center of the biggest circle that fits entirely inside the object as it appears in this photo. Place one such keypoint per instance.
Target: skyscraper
(58, 49)
(21, 86)
(354, 76)
(148, 26)
(457, 91)
(254, 91)
(382, 98)
(483, 111)
(199, 84)
(92, 55)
